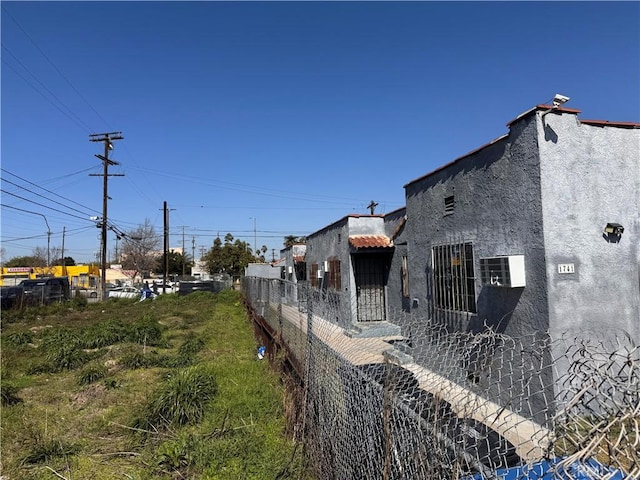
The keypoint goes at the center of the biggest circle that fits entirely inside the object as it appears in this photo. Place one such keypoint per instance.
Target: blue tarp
(555, 469)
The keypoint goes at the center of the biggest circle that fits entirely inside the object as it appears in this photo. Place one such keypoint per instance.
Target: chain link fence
(412, 399)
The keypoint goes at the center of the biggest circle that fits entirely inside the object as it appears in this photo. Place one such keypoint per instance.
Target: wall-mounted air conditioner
(504, 271)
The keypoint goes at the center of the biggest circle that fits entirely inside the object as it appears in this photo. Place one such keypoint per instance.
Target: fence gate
(370, 272)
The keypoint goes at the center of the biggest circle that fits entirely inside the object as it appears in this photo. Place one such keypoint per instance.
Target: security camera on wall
(559, 100)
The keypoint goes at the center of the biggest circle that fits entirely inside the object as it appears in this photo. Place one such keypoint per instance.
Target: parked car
(197, 286)
(157, 287)
(45, 290)
(86, 292)
(11, 297)
(124, 292)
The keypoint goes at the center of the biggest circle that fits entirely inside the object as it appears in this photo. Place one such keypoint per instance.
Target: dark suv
(45, 291)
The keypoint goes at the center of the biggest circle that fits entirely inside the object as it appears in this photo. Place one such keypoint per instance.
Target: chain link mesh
(411, 398)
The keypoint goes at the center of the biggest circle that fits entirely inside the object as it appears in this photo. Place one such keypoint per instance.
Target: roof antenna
(372, 206)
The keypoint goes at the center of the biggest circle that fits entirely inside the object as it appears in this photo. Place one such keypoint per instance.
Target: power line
(41, 205)
(55, 67)
(42, 196)
(82, 125)
(45, 87)
(46, 190)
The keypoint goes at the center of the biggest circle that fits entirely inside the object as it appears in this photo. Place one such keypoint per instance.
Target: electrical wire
(41, 205)
(46, 198)
(56, 68)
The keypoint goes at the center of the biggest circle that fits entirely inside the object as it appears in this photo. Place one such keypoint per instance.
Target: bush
(181, 400)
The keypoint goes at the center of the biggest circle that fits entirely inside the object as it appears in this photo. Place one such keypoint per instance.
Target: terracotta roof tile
(370, 241)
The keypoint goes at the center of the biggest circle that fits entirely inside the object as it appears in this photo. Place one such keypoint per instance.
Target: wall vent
(449, 205)
(505, 271)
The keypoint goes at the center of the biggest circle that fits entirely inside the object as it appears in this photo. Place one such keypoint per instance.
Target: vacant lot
(163, 389)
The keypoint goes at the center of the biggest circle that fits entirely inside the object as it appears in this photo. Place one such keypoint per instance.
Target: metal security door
(370, 280)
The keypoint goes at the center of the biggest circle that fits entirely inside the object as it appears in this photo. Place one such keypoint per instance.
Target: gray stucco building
(533, 204)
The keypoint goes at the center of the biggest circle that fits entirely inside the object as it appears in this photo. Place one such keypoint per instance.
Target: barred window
(453, 277)
(335, 279)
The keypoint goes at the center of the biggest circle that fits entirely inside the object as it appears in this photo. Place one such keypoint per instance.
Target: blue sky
(285, 116)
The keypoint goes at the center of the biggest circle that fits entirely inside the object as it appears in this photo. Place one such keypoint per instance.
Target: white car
(124, 292)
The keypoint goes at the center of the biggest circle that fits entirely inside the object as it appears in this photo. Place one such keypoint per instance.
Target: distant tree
(41, 256)
(175, 262)
(140, 248)
(290, 240)
(25, 261)
(68, 261)
(231, 258)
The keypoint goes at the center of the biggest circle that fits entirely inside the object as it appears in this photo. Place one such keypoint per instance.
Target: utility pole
(183, 251)
(106, 138)
(166, 247)
(64, 266)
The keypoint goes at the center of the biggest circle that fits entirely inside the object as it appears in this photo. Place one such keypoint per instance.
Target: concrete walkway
(529, 438)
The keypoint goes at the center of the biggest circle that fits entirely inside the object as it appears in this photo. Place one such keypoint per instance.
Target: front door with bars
(370, 274)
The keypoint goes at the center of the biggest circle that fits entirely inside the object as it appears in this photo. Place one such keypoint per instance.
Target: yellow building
(87, 276)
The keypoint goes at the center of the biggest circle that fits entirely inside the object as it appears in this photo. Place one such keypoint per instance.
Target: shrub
(181, 400)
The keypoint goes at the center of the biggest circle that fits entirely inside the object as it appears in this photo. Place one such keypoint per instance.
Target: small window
(405, 277)
(449, 205)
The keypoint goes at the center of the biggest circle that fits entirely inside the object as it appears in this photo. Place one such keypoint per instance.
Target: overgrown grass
(80, 382)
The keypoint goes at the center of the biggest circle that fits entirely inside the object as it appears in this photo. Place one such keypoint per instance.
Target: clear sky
(283, 116)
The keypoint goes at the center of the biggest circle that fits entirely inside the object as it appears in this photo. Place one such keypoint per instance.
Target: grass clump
(18, 339)
(181, 400)
(47, 450)
(191, 346)
(92, 373)
(9, 395)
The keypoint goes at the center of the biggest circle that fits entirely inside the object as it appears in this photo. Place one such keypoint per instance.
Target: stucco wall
(395, 230)
(590, 176)
(498, 210)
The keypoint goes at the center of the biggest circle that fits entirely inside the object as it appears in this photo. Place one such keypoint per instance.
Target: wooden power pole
(106, 138)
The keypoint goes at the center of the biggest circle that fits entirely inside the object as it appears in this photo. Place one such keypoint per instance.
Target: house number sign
(566, 268)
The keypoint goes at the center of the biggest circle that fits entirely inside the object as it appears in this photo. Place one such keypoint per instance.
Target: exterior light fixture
(614, 229)
(559, 100)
